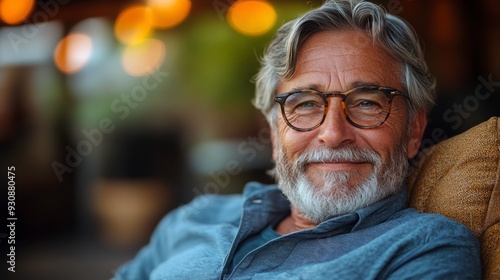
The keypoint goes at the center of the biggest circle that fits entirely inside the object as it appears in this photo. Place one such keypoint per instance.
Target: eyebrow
(360, 83)
(351, 85)
(310, 86)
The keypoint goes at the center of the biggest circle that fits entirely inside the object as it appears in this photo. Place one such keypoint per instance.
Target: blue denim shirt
(383, 241)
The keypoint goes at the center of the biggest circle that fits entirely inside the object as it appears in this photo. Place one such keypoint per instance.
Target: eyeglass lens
(363, 107)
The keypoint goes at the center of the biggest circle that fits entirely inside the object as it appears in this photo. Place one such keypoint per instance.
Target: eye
(302, 102)
(307, 104)
(367, 104)
(367, 101)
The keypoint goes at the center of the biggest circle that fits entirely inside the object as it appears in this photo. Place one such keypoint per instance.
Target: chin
(333, 181)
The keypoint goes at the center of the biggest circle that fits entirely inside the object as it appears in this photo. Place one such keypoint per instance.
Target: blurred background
(115, 112)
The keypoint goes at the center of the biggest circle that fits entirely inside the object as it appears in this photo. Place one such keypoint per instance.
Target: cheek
(292, 142)
(396, 126)
(391, 135)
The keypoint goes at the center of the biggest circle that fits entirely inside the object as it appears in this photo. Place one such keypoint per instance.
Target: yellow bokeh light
(73, 52)
(252, 17)
(143, 59)
(15, 11)
(134, 24)
(169, 13)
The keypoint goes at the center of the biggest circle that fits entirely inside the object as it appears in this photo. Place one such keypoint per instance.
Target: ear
(416, 133)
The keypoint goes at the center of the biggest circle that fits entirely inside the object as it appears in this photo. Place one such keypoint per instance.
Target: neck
(295, 222)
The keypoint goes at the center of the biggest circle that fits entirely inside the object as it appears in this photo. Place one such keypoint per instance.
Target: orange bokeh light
(15, 11)
(143, 59)
(73, 52)
(134, 24)
(169, 13)
(252, 17)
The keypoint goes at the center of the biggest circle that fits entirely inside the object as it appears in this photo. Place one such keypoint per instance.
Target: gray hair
(390, 32)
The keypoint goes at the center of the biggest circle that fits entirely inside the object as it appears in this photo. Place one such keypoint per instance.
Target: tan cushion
(459, 178)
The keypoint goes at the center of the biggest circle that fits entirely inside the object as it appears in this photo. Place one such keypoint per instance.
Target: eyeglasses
(364, 106)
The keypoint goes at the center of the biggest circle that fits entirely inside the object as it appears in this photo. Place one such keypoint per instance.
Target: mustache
(324, 154)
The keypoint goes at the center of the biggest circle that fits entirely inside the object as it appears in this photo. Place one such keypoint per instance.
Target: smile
(338, 165)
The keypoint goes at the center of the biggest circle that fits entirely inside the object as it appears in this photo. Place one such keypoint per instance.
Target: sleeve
(138, 268)
(150, 256)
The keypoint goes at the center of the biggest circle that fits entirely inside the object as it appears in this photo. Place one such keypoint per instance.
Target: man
(345, 90)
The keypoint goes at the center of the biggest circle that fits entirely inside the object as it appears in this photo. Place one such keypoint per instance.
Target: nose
(335, 130)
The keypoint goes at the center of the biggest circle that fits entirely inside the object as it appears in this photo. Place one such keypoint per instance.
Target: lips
(338, 165)
(348, 159)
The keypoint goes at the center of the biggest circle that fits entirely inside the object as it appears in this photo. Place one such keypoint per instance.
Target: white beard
(337, 195)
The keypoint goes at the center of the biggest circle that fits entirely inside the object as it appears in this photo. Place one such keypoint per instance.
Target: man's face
(339, 61)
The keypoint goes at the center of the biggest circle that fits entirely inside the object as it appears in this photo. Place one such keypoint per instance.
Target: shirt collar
(381, 210)
(270, 199)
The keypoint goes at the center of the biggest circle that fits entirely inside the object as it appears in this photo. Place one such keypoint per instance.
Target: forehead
(338, 60)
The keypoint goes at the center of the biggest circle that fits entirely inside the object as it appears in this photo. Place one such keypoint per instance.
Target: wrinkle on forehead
(334, 60)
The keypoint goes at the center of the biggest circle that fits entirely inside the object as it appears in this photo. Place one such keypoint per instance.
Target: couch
(459, 178)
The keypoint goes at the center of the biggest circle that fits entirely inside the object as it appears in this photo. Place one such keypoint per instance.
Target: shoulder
(211, 208)
(435, 246)
(435, 221)
(426, 226)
